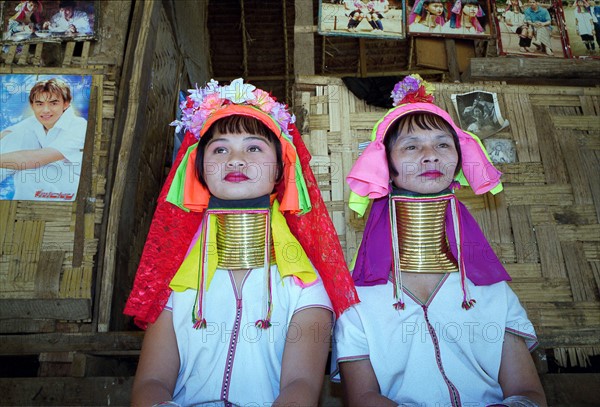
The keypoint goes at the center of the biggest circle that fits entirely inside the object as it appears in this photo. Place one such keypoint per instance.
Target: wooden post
(131, 101)
(453, 70)
(363, 58)
(304, 42)
(244, 39)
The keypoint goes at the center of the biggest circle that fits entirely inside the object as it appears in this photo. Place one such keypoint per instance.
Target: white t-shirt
(16, 141)
(79, 20)
(59, 180)
(516, 20)
(379, 6)
(435, 353)
(212, 365)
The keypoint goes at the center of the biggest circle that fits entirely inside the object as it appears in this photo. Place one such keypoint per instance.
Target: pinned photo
(43, 126)
(479, 113)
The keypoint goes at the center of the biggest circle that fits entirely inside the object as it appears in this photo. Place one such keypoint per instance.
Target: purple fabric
(374, 259)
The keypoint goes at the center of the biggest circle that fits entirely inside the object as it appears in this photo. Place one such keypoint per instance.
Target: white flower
(212, 86)
(238, 91)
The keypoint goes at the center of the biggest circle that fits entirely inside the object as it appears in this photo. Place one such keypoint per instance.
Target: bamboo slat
(580, 274)
(550, 152)
(525, 244)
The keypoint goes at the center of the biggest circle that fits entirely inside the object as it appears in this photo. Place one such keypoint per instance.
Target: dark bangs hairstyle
(415, 122)
(238, 124)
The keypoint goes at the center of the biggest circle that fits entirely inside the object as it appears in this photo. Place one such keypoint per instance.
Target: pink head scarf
(370, 177)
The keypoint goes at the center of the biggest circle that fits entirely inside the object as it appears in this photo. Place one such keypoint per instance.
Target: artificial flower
(201, 103)
(238, 92)
(412, 89)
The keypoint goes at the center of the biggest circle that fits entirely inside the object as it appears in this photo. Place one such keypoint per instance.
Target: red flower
(420, 96)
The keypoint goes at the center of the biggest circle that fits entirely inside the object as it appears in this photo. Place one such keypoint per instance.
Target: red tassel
(263, 324)
(200, 324)
(399, 305)
(467, 305)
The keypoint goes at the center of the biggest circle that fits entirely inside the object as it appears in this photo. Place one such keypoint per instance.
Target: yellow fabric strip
(291, 257)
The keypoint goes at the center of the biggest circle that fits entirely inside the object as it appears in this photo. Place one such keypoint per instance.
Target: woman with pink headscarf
(427, 16)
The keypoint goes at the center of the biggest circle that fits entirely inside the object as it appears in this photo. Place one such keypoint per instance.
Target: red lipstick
(432, 174)
(236, 177)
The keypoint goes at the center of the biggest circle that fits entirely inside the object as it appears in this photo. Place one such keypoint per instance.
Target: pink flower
(211, 103)
(263, 100)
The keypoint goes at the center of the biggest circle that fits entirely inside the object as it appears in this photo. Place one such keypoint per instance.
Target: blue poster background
(14, 95)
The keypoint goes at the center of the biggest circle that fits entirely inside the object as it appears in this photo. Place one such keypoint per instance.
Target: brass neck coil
(241, 239)
(422, 243)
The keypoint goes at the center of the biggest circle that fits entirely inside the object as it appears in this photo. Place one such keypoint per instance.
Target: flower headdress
(203, 107)
(202, 103)
(173, 230)
(369, 179)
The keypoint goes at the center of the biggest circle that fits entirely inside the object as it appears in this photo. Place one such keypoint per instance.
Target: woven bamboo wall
(544, 226)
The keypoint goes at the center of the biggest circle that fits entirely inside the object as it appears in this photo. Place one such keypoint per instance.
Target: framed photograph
(43, 126)
(582, 22)
(444, 18)
(479, 113)
(363, 18)
(530, 28)
(48, 20)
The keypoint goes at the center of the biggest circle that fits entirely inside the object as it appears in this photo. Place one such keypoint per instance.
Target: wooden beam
(453, 71)
(531, 68)
(110, 342)
(72, 309)
(68, 391)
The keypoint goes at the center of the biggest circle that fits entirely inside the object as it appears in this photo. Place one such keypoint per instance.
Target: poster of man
(363, 18)
(43, 125)
(37, 20)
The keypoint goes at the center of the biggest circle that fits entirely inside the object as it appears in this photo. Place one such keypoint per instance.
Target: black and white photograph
(501, 151)
(479, 113)
(362, 18)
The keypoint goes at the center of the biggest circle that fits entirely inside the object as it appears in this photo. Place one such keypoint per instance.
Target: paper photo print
(43, 125)
(530, 28)
(501, 151)
(363, 18)
(37, 20)
(582, 21)
(445, 18)
(479, 113)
